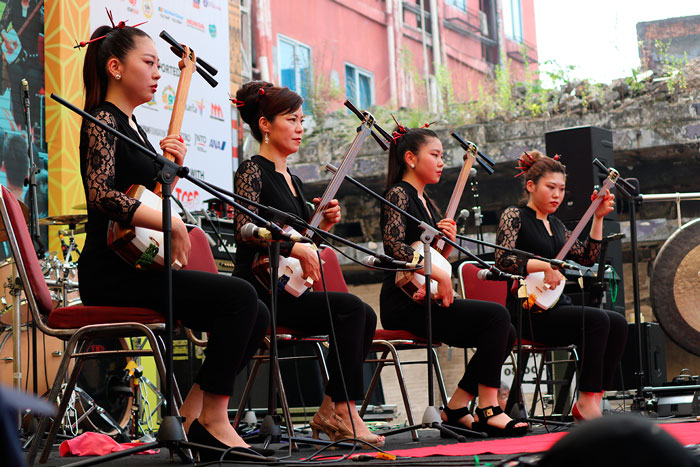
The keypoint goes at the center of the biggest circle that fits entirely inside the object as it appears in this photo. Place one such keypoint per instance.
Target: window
(295, 67)
(461, 4)
(359, 86)
(513, 20)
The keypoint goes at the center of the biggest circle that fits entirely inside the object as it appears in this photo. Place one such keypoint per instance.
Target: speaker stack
(578, 147)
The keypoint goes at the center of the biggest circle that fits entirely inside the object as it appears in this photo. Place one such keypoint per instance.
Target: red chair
(497, 291)
(78, 325)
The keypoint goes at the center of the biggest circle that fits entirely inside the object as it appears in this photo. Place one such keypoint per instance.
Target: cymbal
(80, 207)
(67, 219)
(25, 212)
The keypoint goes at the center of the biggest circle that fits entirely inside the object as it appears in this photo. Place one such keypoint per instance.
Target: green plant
(321, 92)
(674, 66)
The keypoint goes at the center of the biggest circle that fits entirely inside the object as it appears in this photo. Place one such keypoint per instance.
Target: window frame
(359, 70)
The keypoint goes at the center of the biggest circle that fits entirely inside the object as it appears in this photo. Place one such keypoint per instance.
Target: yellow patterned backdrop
(65, 22)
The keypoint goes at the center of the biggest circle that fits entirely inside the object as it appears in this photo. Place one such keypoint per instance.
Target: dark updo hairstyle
(117, 43)
(410, 139)
(534, 165)
(262, 99)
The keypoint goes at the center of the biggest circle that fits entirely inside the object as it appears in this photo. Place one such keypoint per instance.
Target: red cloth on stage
(96, 444)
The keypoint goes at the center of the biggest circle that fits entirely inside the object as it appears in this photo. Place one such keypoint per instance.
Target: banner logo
(168, 97)
(212, 30)
(147, 8)
(195, 3)
(200, 106)
(195, 25)
(200, 142)
(170, 15)
(216, 144)
(216, 112)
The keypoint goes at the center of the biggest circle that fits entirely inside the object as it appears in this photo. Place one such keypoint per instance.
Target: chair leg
(321, 362)
(77, 368)
(404, 392)
(538, 382)
(53, 395)
(248, 388)
(373, 383)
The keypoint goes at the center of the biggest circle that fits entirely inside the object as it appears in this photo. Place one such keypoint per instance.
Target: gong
(675, 287)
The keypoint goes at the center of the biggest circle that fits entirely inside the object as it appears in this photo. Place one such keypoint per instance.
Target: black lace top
(257, 180)
(398, 232)
(109, 167)
(520, 228)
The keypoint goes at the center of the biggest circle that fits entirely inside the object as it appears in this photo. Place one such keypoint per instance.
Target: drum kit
(103, 399)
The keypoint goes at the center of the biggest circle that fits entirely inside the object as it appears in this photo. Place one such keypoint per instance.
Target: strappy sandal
(455, 415)
(509, 431)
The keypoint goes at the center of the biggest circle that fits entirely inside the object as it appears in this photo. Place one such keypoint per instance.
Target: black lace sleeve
(507, 236)
(99, 173)
(394, 226)
(248, 183)
(586, 252)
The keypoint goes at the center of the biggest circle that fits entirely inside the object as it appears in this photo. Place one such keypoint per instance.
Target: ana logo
(195, 3)
(147, 8)
(212, 30)
(216, 144)
(200, 106)
(168, 97)
(216, 113)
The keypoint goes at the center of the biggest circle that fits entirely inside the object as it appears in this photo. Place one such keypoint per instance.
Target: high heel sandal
(345, 432)
(509, 431)
(200, 435)
(323, 426)
(455, 415)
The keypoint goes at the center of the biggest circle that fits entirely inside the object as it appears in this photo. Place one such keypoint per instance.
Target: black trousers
(600, 336)
(466, 323)
(227, 307)
(354, 322)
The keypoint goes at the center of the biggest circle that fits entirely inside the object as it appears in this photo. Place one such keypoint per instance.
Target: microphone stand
(170, 434)
(478, 217)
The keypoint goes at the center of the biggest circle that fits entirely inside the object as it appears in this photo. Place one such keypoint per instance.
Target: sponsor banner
(203, 26)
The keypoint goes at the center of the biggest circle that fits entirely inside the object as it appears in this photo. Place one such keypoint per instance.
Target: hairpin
(120, 25)
(525, 164)
(556, 157)
(261, 89)
(427, 125)
(235, 101)
(399, 131)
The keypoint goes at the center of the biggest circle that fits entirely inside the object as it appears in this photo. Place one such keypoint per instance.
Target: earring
(117, 76)
(267, 138)
(413, 166)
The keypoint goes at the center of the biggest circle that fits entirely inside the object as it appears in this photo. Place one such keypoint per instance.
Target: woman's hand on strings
(175, 146)
(331, 215)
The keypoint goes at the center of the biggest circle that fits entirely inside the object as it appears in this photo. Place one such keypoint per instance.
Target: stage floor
(431, 449)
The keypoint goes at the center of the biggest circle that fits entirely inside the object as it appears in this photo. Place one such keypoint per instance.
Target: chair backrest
(335, 282)
(476, 289)
(22, 248)
(201, 257)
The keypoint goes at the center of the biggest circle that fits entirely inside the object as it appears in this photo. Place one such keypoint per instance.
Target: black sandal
(509, 431)
(455, 415)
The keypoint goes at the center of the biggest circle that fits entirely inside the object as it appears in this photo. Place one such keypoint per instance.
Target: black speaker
(578, 147)
(653, 358)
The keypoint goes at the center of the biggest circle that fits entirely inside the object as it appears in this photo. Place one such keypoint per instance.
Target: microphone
(461, 220)
(25, 95)
(495, 275)
(386, 261)
(251, 231)
(563, 265)
(615, 236)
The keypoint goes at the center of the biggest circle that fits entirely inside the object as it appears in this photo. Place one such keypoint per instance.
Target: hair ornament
(119, 25)
(525, 161)
(261, 89)
(556, 157)
(235, 101)
(399, 131)
(427, 125)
